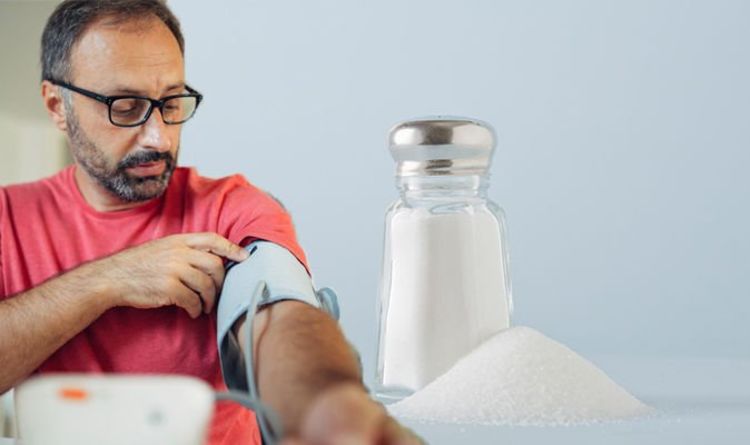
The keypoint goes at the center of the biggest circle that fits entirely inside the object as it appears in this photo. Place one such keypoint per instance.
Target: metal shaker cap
(442, 146)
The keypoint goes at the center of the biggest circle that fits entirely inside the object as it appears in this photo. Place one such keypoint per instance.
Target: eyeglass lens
(132, 111)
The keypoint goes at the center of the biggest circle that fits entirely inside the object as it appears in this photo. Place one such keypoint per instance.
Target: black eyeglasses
(132, 111)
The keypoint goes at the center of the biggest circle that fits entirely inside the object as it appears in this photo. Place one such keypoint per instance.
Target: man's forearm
(299, 352)
(36, 323)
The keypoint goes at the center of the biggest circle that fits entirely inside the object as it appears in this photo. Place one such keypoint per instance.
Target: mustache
(143, 157)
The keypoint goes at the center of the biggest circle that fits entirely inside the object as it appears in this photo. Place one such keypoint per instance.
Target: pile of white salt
(521, 377)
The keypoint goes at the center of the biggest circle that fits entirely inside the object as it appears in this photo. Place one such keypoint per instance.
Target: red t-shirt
(46, 228)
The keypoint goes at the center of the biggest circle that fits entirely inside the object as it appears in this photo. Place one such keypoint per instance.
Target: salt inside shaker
(445, 285)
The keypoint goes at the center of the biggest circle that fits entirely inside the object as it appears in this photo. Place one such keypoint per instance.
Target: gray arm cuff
(272, 270)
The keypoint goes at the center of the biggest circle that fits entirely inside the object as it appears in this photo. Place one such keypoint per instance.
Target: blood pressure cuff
(277, 275)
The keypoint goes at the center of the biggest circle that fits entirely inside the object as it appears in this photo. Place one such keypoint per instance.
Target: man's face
(130, 58)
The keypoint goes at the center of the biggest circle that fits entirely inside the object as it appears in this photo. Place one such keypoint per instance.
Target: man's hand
(346, 415)
(182, 270)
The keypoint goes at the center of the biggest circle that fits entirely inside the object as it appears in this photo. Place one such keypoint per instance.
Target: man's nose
(154, 134)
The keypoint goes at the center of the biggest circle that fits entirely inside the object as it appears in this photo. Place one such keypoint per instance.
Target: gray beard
(116, 180)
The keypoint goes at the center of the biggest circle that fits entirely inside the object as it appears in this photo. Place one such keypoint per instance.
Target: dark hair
(70, 19)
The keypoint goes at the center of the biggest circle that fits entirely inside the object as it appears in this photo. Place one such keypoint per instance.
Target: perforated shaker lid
(442, 146)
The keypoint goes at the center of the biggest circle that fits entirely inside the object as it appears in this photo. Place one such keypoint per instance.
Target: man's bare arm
(308, 373)
(299, 352)
(182, 270)
(36, 323)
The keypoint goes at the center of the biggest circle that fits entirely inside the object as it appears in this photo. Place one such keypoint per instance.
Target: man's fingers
(351, 439)
(218, 245)
(188, 300)
(209, 264)
(202, 286)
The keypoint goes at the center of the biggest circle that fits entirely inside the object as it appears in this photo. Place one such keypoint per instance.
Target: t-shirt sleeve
(249, 213)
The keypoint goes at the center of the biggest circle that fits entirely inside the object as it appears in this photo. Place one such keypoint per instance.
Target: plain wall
(31, 146)
(622, 160)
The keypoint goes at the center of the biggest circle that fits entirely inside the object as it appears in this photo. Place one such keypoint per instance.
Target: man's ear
(54, 104)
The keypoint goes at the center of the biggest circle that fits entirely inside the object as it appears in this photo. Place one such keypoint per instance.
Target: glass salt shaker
(445, 284)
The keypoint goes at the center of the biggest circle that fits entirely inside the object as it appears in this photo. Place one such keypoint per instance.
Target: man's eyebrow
(135, 92)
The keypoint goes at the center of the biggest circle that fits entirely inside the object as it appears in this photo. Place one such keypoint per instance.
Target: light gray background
(622, 161)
